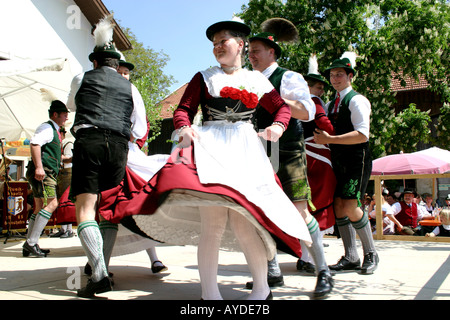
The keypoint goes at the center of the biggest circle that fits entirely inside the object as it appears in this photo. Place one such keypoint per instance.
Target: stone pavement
(407, 271)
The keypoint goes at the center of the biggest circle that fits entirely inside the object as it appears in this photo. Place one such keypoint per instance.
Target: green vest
(342, 121)
(294, 132)
(51, 152)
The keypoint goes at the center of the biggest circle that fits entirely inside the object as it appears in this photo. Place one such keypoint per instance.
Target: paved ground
(407, 271)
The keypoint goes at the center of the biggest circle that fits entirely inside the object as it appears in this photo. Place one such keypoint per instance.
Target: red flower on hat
(349, 64)
(248, 98)
(270, 38)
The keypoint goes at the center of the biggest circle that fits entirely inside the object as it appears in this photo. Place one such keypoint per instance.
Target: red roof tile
(171, 102)
(411, 84)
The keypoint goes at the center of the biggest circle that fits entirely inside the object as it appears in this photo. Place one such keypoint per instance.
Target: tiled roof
(411, 84)
(171, 102)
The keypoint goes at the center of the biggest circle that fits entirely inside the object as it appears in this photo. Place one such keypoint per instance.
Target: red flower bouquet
(248, 98)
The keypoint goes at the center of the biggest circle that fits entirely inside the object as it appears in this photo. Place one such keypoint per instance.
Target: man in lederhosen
(349, 113)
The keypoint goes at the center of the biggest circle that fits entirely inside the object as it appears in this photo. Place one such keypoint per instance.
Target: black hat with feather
(276, 30)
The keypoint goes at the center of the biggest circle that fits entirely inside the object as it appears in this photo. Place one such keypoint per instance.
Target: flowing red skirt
(134, 197)
(322, 181)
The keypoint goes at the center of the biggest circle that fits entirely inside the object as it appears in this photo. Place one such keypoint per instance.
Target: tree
(442, 138)
(410, 127)
(149, 79)
(400, 38)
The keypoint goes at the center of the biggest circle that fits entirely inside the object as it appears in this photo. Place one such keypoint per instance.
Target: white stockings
(214, 221)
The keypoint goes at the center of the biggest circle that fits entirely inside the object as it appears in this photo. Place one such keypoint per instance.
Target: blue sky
(176, 27)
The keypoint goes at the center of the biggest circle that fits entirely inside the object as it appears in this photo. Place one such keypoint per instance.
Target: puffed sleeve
(276, 106)
(189, 103)
(321, 119)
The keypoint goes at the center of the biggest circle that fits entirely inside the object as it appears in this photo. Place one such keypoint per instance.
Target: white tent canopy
(22, 109)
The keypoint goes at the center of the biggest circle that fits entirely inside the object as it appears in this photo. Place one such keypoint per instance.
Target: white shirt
(68, 152)
(389, 226)
(44, 134)
(360, 109)
(294, 87)
(138, 116)
(421, 211)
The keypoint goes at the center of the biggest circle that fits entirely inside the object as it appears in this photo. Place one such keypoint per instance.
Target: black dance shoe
(157, 269)
(46, 251)
(305, 266)
(92, 288)
(345, 264)
(324, 285)
(272, 281)
(28, 250)
(370, 263)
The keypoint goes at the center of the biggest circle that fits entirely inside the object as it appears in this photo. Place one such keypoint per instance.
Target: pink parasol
(409, 163)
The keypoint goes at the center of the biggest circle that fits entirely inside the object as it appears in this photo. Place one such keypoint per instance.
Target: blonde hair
(445, 213)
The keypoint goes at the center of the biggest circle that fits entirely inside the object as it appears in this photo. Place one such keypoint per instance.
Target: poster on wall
(15, 206)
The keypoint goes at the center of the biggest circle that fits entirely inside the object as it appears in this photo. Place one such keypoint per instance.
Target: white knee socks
(92, 242)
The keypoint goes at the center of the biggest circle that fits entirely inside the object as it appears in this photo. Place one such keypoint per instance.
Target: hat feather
(313, 65)
(104, 31)
(48, 96)
(237, 19)
(350, 56)
(283, 29)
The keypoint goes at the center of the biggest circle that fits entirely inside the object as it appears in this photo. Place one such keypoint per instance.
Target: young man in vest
(349, 113)
(263, 54)
(42, 174)
(109, 113)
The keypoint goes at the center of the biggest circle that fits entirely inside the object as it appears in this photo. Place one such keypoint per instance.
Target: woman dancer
(220, 172)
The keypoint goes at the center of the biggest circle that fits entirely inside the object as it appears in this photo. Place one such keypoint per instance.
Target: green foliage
(410, 126)
(149, 79)
(401, 38)
(442, 127)
(146, 86)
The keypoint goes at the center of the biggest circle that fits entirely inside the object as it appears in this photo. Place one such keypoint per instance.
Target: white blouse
(294, 87)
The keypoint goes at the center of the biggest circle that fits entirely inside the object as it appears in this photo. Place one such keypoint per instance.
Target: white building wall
(45, 29)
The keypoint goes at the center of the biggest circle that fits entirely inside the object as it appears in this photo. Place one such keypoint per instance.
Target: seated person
(444, 229)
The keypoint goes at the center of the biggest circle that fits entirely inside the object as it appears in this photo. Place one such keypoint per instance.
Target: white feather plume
(313, 65)
(48, 96)
(237, 19)
(350, 56)
(104, 31)
(122, 57)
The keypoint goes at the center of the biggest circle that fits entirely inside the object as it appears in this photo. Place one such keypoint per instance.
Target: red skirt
(322, 181)
(132, 198)
(66, 213)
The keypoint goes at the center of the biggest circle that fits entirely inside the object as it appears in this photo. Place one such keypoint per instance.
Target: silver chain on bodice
(230, 114)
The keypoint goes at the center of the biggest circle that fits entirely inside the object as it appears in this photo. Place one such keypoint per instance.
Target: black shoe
(28, 250)
(324, 285)
(57, 235)
(92, 288)
(67, 234)
(157, 269)
(305, 266)
(370, 263)
(345, 264)
(272, 281)
(88, 269)
(46, 251)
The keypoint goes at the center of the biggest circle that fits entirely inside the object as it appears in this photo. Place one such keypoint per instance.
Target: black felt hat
(227, 25)
(104, 45)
